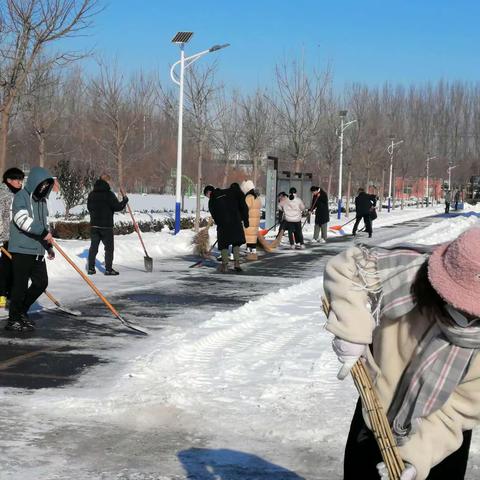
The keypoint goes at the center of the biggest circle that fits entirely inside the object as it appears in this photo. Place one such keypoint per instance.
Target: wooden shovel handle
(89, 282)
(135, 224)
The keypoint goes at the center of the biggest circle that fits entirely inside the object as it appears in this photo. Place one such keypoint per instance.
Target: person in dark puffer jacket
(102, 204)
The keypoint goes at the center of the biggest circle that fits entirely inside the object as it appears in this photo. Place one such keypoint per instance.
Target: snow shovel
(75, 313)
(127, 324)
(378, 419)
(339, 227)
(147, 260)
(265, 231)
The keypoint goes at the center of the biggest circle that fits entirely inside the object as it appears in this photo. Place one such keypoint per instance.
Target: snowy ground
(217, 391)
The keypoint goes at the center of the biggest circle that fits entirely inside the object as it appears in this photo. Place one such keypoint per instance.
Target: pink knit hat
(454, 271)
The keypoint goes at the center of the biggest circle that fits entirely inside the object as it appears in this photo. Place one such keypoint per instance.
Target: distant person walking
(457, 199)
(12, 183)
(448, 199)
(293, 208)
(319, 205)
(228, 210)
(254, 205)
(364, 203)
(102, 204)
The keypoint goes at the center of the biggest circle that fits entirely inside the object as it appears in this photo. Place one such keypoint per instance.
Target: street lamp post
(181, 38)
(343, 127)
(450, 168)
(390, 150)
(428, 166)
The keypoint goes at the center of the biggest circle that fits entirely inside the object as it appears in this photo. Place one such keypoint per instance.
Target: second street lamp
(343, 127)
(428, 170)
(181, 38)
(390, 150)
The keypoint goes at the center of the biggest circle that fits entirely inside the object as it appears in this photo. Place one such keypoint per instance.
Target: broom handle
(46, 292)
(378, 420)
(135, 225)
(87, 280)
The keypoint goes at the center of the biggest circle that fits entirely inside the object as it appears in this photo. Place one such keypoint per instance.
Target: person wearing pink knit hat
(413, 314)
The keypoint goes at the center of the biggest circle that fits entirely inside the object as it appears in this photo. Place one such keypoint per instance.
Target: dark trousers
(362, 455)
(295, 234)
(6, 277)
(368, 223)
(25, 268)
(447, 207)
(104, 235)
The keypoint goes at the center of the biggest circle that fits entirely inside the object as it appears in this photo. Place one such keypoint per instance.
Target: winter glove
(51, 253)
(246, 224)
(410, 472)
(348, 353)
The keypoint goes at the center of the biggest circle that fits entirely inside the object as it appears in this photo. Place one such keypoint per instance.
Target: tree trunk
(329, 186)
(226, 171)
(120, 168)
(199, 185)
(382, 194)
(255, 169)
(298, 165)
(4, 139)
(41, 148)
(349, 183)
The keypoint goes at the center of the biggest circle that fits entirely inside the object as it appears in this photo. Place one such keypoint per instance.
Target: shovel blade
(148, 262)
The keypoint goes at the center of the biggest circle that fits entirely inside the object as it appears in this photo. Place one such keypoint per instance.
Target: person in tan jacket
(254, 213)
(414, 315)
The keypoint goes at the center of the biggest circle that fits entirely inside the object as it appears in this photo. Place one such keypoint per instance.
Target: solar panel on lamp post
(181, 38)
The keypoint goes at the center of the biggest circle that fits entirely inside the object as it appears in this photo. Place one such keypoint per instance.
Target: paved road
(62, 347)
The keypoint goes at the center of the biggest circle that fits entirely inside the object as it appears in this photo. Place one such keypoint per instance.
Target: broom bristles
(201, 241)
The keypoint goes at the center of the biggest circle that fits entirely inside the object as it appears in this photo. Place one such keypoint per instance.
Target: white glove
(410, 472)
(348, 353)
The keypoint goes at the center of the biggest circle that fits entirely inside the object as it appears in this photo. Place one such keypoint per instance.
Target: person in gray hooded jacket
(29, 239)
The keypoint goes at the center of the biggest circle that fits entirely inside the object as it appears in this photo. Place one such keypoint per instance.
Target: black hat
(13, 174)
(208, 188)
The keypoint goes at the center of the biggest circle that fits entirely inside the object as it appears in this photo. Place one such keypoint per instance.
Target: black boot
(111, 272)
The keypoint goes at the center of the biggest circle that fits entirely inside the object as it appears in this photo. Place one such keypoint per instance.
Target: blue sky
(368, 41)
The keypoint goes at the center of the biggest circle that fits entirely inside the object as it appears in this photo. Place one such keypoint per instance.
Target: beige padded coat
(254, 213)
(394, 343)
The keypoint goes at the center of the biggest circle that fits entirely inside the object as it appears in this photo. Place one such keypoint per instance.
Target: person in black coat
(228, 210)
(101, 204)
(364, 202)
(322, 213)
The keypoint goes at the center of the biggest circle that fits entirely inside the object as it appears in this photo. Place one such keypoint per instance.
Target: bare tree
(299, 107)
(256, 119)
(28, 27)
(200, 89)
(43, 102)
(118, 106)
(226, 132)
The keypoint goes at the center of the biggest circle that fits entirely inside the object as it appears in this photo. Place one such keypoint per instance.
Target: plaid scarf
(443, 354)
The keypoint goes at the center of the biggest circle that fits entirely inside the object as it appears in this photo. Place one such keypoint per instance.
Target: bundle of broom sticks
(378, 420)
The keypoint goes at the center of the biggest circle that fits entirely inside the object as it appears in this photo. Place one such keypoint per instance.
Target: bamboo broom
(378, 420)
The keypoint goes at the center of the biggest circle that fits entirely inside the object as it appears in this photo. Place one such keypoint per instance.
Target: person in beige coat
(413, 314)
(254, 213)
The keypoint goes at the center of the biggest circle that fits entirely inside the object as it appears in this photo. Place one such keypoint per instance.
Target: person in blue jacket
(29, 240)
